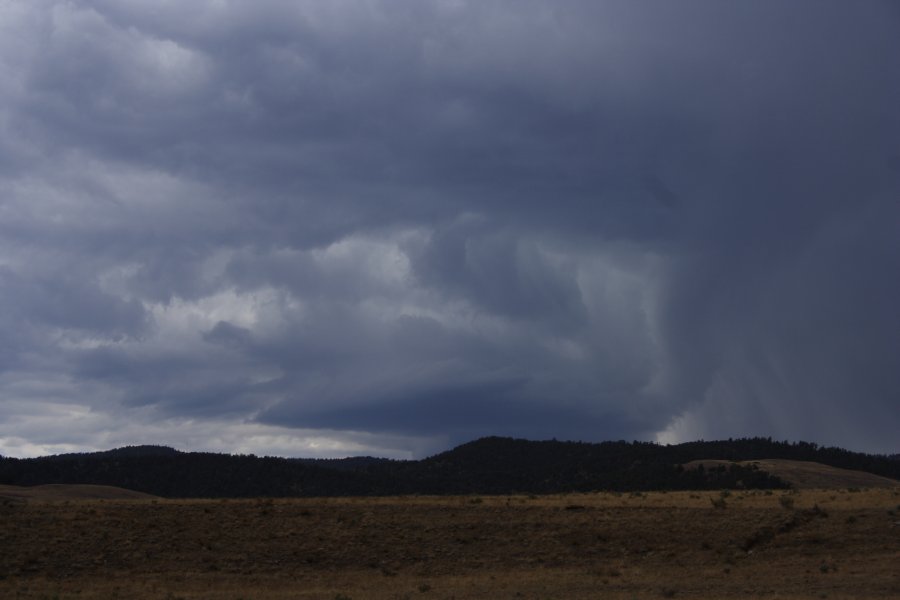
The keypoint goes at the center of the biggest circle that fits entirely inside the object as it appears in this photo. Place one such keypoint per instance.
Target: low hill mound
(801, 474)
(69, 492)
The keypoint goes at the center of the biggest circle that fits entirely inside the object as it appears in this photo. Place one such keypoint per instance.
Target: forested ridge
(486, 466)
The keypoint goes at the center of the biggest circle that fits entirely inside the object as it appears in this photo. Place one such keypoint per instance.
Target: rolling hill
(490, 465)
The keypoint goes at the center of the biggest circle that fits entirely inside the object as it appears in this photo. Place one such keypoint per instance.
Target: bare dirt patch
(835, 544)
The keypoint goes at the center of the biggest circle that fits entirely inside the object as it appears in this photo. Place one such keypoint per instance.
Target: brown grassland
(841, 543)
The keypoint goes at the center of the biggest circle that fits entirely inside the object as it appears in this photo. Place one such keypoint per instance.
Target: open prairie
(808, 544)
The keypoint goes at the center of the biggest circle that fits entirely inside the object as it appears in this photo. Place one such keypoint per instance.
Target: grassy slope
(69, 492)
(809, 475)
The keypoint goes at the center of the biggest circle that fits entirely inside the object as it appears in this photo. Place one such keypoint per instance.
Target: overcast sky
(311, 228)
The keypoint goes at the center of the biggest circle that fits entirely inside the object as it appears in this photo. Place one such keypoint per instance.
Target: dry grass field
(809, 544)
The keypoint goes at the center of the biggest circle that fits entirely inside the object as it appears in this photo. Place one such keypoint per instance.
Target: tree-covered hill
(487, 466)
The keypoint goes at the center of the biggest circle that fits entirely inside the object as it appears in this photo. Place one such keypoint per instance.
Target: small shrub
(786, 502)
(718, 502)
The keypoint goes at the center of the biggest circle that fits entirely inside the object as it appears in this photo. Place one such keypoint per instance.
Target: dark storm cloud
(501, 274)
(434, 220)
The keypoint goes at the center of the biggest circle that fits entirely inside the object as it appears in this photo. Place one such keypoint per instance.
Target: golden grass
(655, 545)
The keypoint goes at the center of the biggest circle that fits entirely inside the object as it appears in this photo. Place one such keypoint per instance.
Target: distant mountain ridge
(492, 465)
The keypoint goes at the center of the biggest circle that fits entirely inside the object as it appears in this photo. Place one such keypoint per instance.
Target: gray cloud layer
(341, 227)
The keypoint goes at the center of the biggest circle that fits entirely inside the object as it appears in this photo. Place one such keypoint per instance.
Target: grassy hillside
(69, 492)
(808, 475)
